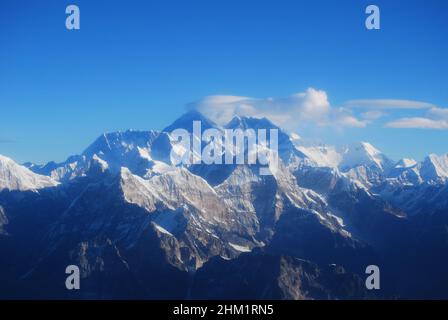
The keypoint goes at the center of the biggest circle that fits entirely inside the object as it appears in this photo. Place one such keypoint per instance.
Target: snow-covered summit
(186, 122)
(120, 142)
(322, 155)
(405, 163)
(435, 167)
(16, 177)
(364, 154)
(241, 122)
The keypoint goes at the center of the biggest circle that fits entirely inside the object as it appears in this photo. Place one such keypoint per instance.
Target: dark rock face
(267, 276)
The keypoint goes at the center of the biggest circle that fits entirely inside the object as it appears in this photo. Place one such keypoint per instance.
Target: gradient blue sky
(136, 64)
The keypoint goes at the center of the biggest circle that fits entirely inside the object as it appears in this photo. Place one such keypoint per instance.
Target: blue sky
(137, 64)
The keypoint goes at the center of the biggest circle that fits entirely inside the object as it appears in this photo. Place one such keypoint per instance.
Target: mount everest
(140, 227)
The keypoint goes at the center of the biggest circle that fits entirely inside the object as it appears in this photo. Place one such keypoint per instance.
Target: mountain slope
(435, 168)
(17, 177)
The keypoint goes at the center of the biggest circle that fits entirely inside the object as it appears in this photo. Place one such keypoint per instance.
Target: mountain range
(139, 226)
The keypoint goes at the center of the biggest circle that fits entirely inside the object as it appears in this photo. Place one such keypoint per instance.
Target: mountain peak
(120, 140)
(435, 167)
(405, 163)
(4, 159)
(364, 154)
(243, 122)
(16, 177)
(186, 122)
(366, 147)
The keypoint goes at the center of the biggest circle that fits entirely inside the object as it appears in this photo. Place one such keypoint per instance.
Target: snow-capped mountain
(16, 177)
(322, 155)
(360, 162)
(364, 154)
(346, 158)
(186, 122)
(141, 226)
(405, 164)
(405, 172)
(434, 168)
(139, 151)
(365, 163)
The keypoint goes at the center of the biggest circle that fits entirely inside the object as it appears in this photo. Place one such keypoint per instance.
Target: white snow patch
(162, 230)
(240, 248)
(339, 220)
(323, 156)
(405, 163)
(161, 167)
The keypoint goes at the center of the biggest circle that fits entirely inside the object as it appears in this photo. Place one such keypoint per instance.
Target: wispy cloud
(418, 123)
(434, 118)
(441, 113)
(313, 108)
(310, 107)
(372, 115)
(388, 104)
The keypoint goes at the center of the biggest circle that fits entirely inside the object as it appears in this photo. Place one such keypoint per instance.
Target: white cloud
(221, 109)
(313, 108)
(350, 121)
(388, 104)
(435, 118)
(372, 115)
(418, 123)
(309, 107)
(438, 113)
(312, 105)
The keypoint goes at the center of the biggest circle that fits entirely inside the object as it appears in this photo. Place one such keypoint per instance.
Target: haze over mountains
(140, 227)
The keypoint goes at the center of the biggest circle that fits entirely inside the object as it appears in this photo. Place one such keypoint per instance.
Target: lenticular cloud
(311, 107)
